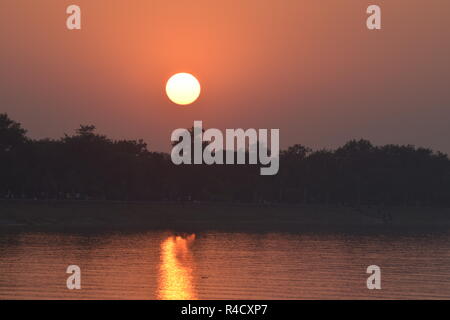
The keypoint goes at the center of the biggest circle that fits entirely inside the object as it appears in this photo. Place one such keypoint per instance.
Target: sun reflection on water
(176, 269)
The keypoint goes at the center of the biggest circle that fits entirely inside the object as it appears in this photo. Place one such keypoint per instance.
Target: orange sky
(309, 68)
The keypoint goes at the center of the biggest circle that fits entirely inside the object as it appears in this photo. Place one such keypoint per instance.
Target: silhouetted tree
(88, 165)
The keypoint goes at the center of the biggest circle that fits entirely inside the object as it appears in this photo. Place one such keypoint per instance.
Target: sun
(183, 88)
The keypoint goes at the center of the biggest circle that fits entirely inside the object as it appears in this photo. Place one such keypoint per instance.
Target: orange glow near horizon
(312, 70)
(176, 269)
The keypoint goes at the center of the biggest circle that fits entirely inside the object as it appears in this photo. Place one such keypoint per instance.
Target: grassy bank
(194, 217)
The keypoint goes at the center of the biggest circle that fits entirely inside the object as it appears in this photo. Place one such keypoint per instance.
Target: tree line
(90, 166)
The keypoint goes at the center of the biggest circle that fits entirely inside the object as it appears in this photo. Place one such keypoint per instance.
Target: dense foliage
(88, 165)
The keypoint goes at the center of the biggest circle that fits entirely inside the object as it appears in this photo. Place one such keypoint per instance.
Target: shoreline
(99, 216)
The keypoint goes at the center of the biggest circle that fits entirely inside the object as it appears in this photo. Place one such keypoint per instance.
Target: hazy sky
(310, 68)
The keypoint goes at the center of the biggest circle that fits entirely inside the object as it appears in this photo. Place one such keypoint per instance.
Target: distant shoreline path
(84, 216)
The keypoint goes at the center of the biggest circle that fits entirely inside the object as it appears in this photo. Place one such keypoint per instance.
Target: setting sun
(183, 88)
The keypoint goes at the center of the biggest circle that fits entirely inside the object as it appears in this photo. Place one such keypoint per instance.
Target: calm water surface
(214, 265)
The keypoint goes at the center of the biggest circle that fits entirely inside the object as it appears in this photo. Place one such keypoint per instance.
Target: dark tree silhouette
(88, 165)
(11, 134)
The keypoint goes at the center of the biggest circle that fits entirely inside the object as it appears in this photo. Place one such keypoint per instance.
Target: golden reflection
(176, 269)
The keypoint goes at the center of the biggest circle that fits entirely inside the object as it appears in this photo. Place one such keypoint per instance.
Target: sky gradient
(309, 68)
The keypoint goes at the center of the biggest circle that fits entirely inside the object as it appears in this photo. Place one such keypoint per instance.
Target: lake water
(215, 265)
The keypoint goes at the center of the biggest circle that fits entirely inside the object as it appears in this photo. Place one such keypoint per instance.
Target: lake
(221, 265)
